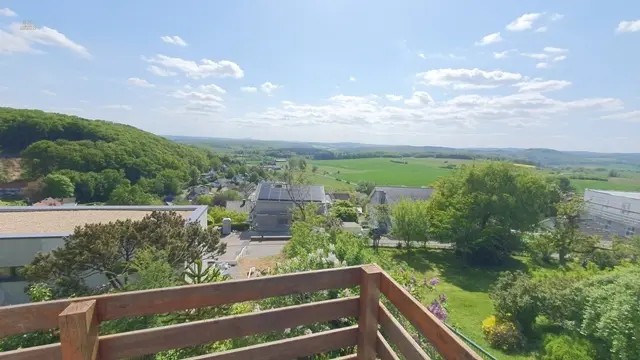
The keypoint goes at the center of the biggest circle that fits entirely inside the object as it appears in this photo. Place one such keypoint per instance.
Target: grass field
(382, 171)
(425, 171)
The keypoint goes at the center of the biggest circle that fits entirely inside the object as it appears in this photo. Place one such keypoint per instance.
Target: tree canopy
(49, 142)
(483, 208)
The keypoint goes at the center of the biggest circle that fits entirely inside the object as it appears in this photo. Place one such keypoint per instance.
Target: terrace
(378, 333)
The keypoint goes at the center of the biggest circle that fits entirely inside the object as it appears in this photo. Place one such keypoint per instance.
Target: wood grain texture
(150, 341)
(79, 331)
(347, 357)
(368, 319)
(384, 350)
(400, 337)
(444, 340)
(19, 319)
(291, 348)
(48, 352)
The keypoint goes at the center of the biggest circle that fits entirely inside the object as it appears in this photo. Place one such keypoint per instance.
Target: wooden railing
(78, 320)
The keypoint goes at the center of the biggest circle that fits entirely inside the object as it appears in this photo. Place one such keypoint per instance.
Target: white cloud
(559, 58)
(421, 55)
(7, 12)
(542, 65)
(17, 40)
(198, 102)
(196, 96)
(48, 92)
(160, 71)
(465, 111)
(555, 50)
(449, 56)
(524, 22)
(175, 40)
(538, 56)
(249, 89)
(268, 88)
(419, 98)
(204, 69)
(557, 17)
(118, 107)
(541, 29)
(628, 26)
(392, 97)
(139, 82)
(503, 54)
(465, 79)
(213, 88)
(489, 39)
(631, 116)
(351, 78)
(542, 86)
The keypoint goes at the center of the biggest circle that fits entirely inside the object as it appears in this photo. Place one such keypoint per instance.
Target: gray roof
(392, 194)
(241, 206)
(278, 192)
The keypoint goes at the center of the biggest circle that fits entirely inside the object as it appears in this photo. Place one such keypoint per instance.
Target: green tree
(58, 186)
(410, 221)
(515, 298)
(365, 186)
(125, 194)
(482, 209)
(254, 177)
(110, 249)
(567, 238)
(231, 173)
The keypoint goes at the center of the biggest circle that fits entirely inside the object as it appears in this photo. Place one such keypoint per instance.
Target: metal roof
(280, 192)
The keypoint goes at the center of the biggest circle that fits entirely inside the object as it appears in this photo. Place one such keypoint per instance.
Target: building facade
(44, 229)
(612, 212)
(390, 195)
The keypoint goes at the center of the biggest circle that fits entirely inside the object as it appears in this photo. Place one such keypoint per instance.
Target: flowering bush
(502, 334)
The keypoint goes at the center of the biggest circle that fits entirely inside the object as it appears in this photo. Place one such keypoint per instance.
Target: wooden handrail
(443, 339)
(78, 320)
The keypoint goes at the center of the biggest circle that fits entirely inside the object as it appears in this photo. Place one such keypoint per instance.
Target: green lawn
(382, 171)
(620, 184)
(465, 287)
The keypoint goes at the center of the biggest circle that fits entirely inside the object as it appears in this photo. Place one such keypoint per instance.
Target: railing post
(79, 331)
(368, 320)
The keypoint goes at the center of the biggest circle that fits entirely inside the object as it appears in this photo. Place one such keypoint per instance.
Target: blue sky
(557, 74)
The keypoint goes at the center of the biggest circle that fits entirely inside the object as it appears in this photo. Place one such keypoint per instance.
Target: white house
(614, 212)
(26, 231)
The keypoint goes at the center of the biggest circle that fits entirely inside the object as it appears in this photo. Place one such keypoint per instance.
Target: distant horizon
(395, 145)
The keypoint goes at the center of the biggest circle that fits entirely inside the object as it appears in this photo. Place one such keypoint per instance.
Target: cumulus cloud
(539, 56)
(524, 22)
(489, 39)
(16, 40)
(541, 29)
(392, 97)
(541, 86)
(201, 103)
(419, 98)
(559, 58)
(555, 50)
(466, 79)
(212, 88)
(7, 12)
(628, 26)
(249, 89)
(631, 116)
(503, 54)
(268, 88)
(160, 71)
(351, 78)
(118, 107)
(465, 111)
(194, 70)
(175, 40)
(48, 92)
(139, 82)
(542, 65)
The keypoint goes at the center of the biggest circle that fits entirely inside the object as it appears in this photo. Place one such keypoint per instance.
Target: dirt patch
(262, 263)
(10, 169)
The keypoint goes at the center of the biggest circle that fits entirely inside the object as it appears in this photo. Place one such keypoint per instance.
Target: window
(10, 273)
(283, 221)
(607, 226)
(625, 208)
(631, 231)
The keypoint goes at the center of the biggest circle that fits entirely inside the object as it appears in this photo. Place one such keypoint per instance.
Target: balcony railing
(78, 320)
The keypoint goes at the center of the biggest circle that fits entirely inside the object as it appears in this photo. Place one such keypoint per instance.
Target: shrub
(240, 227)
(502, 334)
(565, 347)
(515, 296)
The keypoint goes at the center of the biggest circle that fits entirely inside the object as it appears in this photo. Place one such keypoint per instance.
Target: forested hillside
(99, 156)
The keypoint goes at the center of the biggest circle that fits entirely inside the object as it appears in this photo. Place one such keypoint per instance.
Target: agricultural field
(425, 171)
(384, 171)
